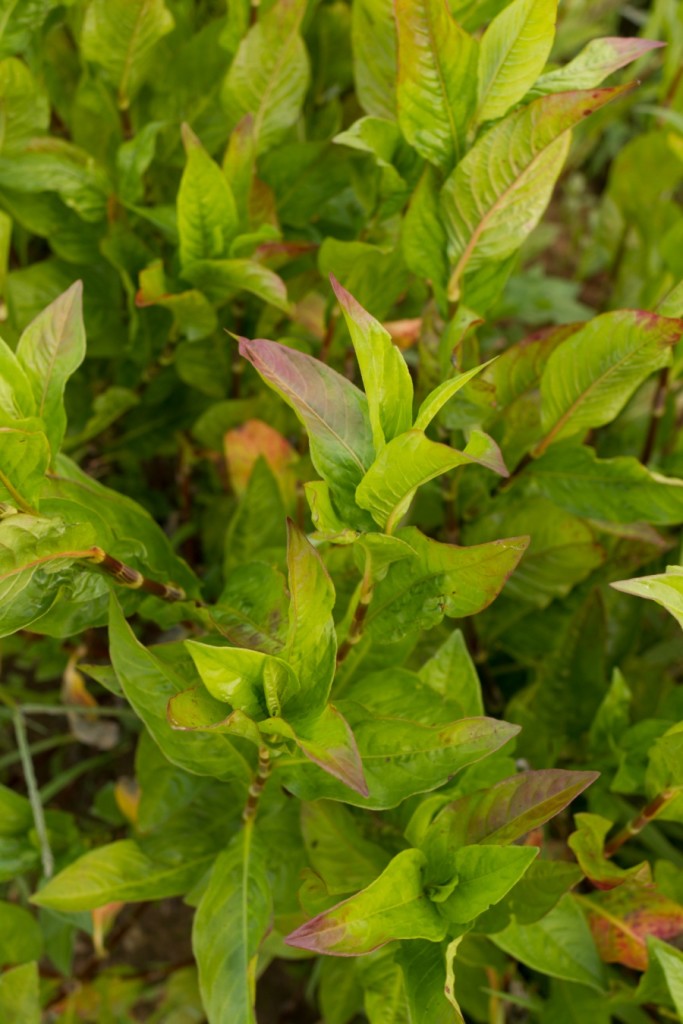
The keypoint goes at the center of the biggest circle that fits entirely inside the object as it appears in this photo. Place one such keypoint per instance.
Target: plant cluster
(326, 541)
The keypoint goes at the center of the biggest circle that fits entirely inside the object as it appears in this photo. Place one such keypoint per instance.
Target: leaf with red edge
(393, 907)
(588, 845)
(622, 919)
(250, 441)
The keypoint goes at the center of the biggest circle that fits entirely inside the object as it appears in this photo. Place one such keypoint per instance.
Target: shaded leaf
(207, 215)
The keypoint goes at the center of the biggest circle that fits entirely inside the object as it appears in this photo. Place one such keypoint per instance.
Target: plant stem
(256, 788)
(129, 577)
(355, 632)
(637, 824)
(33, 795)
(657, 411)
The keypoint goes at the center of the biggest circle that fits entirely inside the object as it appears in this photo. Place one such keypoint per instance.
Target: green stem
(34, 795)
(256, 788)
(637, 824)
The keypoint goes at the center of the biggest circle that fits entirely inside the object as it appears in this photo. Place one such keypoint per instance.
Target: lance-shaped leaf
(149, 684)
(231, 922)
(409, 461)
(514, 50)
(423, 236)
(560, 945)
(400, 757)
(664, 962)
(24, 458)
(451, 672)
(388, 384)
(488, 216)
(333, 411)
(120, 35)
(423, 965)
(327, 740)
(501, 814)
(20, 996)
(195, 710)
(252, 682)
(589, 378)
(269, 75)
(619, 490)
(373, 37)
(16, 394)
(35, 559)
(622, 919)
(442, 579)
(122, 871)
(49, 351)
(311, 645)
(482, 876)
(436, 87)
(221, 279)
(597, 60)
(436, 399)
(394, 906)
(207, 215)
(665, 589)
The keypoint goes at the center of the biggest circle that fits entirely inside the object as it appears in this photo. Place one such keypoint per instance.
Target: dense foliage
(340, 396)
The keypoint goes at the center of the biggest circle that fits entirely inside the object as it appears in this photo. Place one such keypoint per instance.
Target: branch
(637, 824)
(129, 577)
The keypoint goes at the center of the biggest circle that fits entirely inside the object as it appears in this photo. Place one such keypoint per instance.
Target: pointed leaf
(242, 678)
(334, 412)
(401, 757)
(560, 945)
(207, 215)
(229, 926)
(24, 458)
(665, 589)
(394, 906)
(622, 919)
(589, 377)
(269, 74)
(424, 976)
(619, 490)
(16, 394)
(514, 50)
(588, 845)
(597, 60)
(436, 88)
(49, 350)
(488, 217)
(442, 579)
(20, 994)
(501, 814)
(195, 710)
(436, 400)
(221, 279)
(451, 672)
(373, 36)
(388, 384)
(337, 849)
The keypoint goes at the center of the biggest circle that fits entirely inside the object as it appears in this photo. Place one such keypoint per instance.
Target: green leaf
(394, 906)
(337, 849)
(120, 35)
(514, 50)
(334, 412)
(400, 757)
(588, 843)
(25, 106)
(619, 490)
(424, 974)
(535, 894)
(436, 399)
(327, 740)
(51, 348)
(20, 994)
(311, 645)
(501, 814)
(149, 685)
(229, 926)
(122, 871)
(387, 380)
(207, 215)
(451, 672)
(597, 60)
(560, 944)
(36, 556)
(665, 589)
(16, 394)
(623, 918)
(442, 579)
(589, 377)
(489, 216)
(242, 678)
(482, 876)
(423, 236)
(222, 279)
(269, 76)
(436, 86)
(20, 936)
(24, 458)
(373, 35)
(406, 463)
(669, 960)
(133, 159)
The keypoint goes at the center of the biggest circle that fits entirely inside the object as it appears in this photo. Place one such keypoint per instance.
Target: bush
(346, 618)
